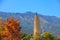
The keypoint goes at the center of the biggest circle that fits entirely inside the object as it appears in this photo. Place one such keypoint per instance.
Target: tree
(0, 37)
(10, 30)
(26, 36)
(47, 36)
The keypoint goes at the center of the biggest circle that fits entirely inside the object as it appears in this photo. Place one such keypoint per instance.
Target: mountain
(48, 23)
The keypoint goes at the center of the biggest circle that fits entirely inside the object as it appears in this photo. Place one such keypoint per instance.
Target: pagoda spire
(36, 27)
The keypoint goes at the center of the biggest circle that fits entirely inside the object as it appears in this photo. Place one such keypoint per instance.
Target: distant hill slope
(48, 23)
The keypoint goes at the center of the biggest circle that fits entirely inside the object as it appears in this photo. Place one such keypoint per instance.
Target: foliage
(26, 36)
(10, 30)
(44, 36)
(36, 37)
(47, 36)
(0, 37)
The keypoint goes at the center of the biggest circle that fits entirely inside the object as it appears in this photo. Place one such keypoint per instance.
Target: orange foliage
(12, 29)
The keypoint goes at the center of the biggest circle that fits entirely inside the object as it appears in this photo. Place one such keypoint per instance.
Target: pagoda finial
(36, 13)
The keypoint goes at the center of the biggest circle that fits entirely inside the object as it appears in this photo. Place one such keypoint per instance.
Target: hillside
(48, 23)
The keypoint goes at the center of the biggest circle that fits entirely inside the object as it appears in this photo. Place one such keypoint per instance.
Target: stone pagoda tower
(36, 27)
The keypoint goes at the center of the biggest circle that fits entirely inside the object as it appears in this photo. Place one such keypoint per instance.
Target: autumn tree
(12, 29)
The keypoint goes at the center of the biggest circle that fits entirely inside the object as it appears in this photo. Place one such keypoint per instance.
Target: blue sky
(45, 7)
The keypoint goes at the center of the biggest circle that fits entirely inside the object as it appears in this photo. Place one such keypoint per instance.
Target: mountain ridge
(48, 23)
